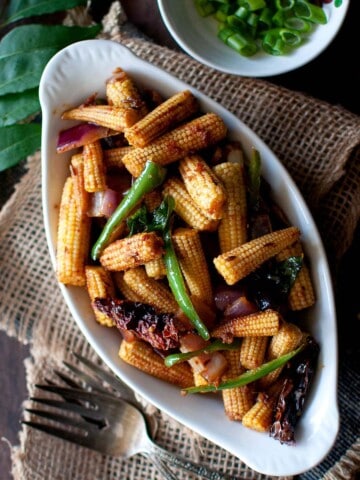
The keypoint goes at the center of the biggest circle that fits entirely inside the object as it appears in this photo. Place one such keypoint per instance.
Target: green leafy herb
(144, 221)
(284, 274)
(17, 142)
(18, 106)
(19, 9)
(25, 51)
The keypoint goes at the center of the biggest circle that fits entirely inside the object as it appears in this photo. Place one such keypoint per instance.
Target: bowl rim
(245, 68)
(79, 56)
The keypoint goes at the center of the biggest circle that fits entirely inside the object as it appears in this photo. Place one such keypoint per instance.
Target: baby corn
(169, 113)
(187, 138)
(156, 269)
(105, 115)
(113, 156)
(237, 401)
(232, 229)
(150, 291)
(203, 186)
(131, 252)
(73, 239)
(122, 92)
(287, 339)
(142, 356)
(302, 292)
(185, 206)
(259, 324)
(99, 285)
(193, 263)
(239, 262)
(94, 170)
(77, 170)
(252, 351)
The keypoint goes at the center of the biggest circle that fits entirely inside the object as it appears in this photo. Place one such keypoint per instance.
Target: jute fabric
(318, 143)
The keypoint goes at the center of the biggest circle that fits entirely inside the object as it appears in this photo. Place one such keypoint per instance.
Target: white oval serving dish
(69, 78)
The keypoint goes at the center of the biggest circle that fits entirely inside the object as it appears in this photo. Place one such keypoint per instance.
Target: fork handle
(161, 466)
(200, 470)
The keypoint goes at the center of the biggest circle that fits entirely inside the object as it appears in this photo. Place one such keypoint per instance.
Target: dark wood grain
(330, 77)
(13, 393)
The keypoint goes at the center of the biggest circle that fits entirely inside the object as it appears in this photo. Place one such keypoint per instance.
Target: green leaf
(25, 51)
(144, 221)
(17, 142)
(27, 8)
(18, 106)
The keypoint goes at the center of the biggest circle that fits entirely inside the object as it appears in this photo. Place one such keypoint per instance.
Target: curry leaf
(25, 51)
(27, 8)
(17, 142)
(18, 106)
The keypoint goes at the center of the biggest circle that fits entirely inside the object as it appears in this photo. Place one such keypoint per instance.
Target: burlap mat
(320, 146)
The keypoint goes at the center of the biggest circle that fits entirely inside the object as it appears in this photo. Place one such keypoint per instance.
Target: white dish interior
(198, 37)
(69, 78)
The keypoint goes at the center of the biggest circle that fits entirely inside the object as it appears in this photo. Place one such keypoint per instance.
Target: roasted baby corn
(72, 239)
(105, 115)
(187, 138)
(252, 351)
(99, 285)
(150, 291)
(113, 156)
(237, 401)
(131, 252)
(156, 269)
(203, 186)
(124, 289)
(77, 170)
(122, 92)
(160, 120)
(287, 339)
(260, 415)
(232, 229)
(259, 324)
(239, 262)
(302, 292)
(193, 263)
(141, 355)
(185, 206)
(94, 170)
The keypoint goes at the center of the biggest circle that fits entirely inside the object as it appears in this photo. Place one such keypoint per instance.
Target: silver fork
(107, 423)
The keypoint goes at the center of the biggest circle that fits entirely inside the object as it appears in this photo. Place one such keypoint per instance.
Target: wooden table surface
(330, 77)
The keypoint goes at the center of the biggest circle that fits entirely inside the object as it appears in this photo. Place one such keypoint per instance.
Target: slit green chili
(215, 346)
(151, 177)
(178, 288)
(247, 377)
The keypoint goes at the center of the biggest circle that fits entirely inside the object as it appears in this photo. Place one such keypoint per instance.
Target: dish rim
(56, 71)
(282, 64)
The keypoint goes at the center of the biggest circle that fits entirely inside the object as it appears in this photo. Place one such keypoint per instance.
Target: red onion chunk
(215, 367)
(104, 203)
(80, 135)
(240, 307)
(225, 296)
(210, 365)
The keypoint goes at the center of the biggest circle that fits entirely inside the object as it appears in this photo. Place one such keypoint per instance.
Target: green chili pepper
(177, 286)
(247, 377)
(215, 346)
(151, 177)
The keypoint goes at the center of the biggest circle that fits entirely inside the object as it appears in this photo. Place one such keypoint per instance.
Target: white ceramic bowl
(198, 37)
(69, 78)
